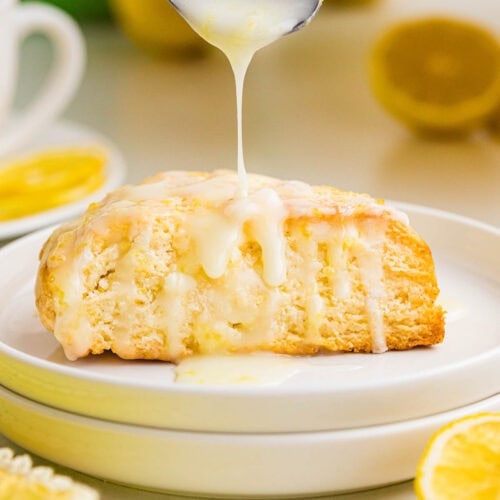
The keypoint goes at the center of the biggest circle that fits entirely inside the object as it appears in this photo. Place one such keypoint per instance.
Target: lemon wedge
(437, 75)
(19, 480)
(462, 461)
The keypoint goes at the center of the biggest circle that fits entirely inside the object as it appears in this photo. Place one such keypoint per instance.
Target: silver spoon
(311, 8)
(315, 6)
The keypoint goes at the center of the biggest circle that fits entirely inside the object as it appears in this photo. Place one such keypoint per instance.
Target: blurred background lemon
(437, 75)
(156, 26)
(348, 3)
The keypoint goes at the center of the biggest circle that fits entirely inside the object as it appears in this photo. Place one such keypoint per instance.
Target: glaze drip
(216, 226)
(239, 28)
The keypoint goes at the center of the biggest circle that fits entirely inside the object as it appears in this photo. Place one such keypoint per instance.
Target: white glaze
(313, 301)
(231, 212)
(250, 369)
(257, 369)
(71, 283)
(239, 28)
(368, 251)
(216, 224)
(172, 304)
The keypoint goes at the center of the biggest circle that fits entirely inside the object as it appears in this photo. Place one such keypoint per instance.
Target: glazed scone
(182, 265)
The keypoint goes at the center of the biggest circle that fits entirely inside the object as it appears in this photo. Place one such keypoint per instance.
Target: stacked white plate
(351, 421)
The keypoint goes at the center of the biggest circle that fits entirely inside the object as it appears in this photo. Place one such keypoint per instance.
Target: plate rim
(359, 432)
(256, 391)
(327, 446)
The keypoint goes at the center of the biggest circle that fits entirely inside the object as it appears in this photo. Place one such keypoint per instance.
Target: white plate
(67, 134)
(296, 464)
(384, 388)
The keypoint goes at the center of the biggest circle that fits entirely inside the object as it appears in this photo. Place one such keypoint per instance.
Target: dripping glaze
(217, 224)
(233, 209)
(240, 28)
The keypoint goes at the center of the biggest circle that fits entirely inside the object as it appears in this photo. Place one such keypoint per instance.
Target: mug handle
(63, 79)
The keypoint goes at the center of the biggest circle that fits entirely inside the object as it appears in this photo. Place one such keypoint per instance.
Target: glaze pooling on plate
(252, 369)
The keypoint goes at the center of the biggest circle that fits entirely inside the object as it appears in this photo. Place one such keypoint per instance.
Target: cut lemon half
(437, 74)
(462, 461)
(19, 480)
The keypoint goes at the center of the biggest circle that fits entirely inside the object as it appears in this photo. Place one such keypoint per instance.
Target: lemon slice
(48, 180)
(462, 461)
(19, 480)
(437, 74)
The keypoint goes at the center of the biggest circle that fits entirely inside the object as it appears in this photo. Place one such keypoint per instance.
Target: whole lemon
(157, 26)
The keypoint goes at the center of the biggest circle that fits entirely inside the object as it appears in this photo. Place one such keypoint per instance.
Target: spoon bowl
(305, 9)
(315, 6)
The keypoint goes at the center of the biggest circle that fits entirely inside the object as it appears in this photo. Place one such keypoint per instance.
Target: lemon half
(462, 461)
(437, 74)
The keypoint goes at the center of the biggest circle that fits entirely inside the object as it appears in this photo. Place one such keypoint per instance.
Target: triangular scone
(182, 265)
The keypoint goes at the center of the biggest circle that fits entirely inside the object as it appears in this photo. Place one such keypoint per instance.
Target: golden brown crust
(411, 316)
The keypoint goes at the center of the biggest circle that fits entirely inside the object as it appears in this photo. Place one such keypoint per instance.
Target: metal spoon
(313, 7)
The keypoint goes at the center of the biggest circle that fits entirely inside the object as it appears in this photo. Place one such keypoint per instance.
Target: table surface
(309, 114)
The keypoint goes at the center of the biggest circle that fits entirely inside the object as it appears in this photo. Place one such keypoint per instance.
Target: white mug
(16, 22)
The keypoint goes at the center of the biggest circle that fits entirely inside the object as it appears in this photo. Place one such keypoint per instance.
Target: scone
(182, 265)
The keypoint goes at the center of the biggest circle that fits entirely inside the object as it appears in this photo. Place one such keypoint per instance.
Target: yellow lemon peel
(48, 180)
(462, 460)
(437, 75)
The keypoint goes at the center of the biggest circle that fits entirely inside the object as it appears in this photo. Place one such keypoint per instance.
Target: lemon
(462, 461)
(19, 480)
(156, 26)
(50, 179)
(349, 3)
(437, 74)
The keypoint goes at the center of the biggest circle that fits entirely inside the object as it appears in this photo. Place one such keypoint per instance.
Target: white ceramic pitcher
(16, 22)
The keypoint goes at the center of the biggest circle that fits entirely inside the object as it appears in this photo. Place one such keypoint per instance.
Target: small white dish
(214, 464)
(392, 387)
(63, 134)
